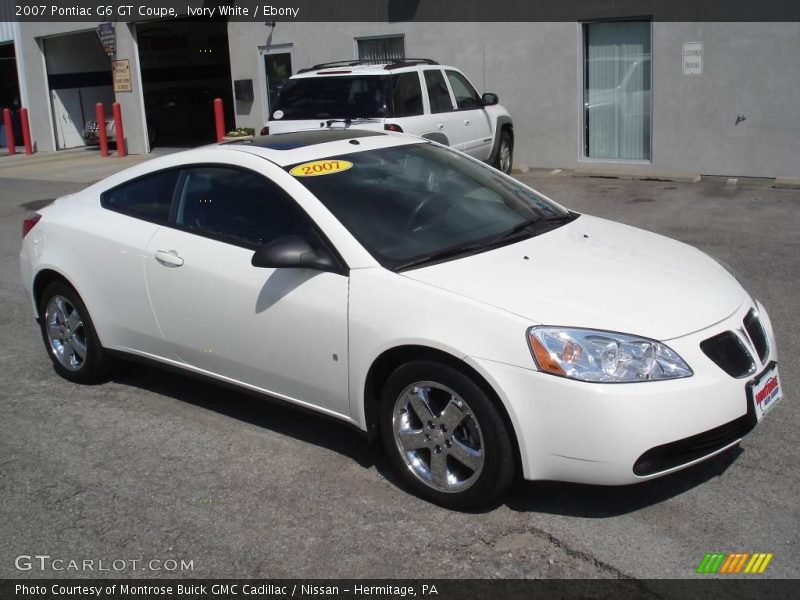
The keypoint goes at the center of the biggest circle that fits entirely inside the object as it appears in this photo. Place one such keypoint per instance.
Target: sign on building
(105, 31)
(693, 58)
(121, 71)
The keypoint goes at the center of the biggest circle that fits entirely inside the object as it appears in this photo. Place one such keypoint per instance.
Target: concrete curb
(790, 183)
(635, 172)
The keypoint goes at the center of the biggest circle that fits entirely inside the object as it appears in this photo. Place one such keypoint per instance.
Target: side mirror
(291, 252)
(489, 99)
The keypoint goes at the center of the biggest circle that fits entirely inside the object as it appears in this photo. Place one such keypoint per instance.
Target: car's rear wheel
(505, 153)
(69, 335)
(445, 435)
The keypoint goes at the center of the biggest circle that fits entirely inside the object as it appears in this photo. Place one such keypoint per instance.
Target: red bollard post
(117, 110)
(26, 130)
(219, 119)
(100, 115)
(9, 132)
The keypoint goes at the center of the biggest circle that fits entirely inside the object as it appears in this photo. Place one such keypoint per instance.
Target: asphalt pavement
(156, 466)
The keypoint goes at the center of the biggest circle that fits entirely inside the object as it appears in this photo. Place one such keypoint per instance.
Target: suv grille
(729, 354)
(757, 334)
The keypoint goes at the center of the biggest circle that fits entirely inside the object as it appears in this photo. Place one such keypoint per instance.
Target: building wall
(536, 69)
(30, 47)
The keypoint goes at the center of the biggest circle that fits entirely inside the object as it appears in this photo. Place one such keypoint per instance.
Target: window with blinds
(380, 49)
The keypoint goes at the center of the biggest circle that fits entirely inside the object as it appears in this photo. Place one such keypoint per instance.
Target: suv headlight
(603, 356)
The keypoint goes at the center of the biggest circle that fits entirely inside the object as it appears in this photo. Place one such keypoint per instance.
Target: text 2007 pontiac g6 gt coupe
(479, 328)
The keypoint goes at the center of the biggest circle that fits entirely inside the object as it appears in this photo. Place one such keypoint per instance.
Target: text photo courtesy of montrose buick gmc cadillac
(417, 96)
(481, 330)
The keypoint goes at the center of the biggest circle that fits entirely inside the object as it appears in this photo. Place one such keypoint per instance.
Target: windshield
(419, 203)
(340, 97)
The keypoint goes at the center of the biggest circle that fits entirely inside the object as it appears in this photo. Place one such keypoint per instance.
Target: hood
(597, 274)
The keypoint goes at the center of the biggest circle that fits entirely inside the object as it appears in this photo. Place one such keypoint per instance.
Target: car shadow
(274, 415)
(598, 502)
(550, 497)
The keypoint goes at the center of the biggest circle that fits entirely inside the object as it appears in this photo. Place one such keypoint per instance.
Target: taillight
(265, 131)
(28, 223)
(393, 127)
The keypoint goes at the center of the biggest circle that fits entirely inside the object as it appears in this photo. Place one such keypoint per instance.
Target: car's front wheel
(69, 335)
(445, 435)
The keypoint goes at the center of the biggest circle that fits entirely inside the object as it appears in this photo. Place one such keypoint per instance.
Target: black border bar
(402, 10)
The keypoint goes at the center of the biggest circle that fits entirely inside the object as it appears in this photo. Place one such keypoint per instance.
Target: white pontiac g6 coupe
(478, 328)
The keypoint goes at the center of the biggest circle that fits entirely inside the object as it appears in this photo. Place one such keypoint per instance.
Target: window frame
(106, 192)
(583, 74)
(393, 78)
(453, 96)
(364, 38)
(453, 105)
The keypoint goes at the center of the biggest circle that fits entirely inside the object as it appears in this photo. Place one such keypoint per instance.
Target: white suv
(415, 96)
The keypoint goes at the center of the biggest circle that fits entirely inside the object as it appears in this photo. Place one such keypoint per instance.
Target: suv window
(466, 96)
(337, 97)
(148, 198)
(237, 206)
(437, 91)
(407, 95)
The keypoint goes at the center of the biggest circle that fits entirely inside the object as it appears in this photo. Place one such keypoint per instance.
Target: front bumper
(595, 433)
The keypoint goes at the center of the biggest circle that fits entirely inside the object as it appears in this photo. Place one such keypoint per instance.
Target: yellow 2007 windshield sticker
(320, 167)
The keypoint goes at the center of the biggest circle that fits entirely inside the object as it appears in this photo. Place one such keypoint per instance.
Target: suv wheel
(69, 335)
(505, 153)
(445, 436)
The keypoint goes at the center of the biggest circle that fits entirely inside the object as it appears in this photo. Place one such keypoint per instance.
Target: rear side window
(237, 206)
(437, 92)
(333, 97)
(148, 198)
(407, 95)
(466, 96)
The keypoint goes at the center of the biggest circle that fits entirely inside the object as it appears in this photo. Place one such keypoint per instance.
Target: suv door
(283, 331)
(442, 123)
(477, 126)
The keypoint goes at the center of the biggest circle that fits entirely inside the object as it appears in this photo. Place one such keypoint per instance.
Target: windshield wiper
(348, 121)
(531, 226)
(535, 225)
(440, 254)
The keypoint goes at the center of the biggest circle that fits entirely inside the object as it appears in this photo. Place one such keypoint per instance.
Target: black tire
(95, 365)
(498, 468)
(506, 141)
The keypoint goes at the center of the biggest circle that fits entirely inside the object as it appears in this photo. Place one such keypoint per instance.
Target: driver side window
(236, 206)
(466, 96)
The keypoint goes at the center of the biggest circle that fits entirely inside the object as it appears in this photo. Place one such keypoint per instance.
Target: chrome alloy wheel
(505, 155)
(65, 333)
(438, 437)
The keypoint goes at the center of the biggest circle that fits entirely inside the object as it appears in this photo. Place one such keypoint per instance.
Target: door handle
(169, 258)
(440, 125)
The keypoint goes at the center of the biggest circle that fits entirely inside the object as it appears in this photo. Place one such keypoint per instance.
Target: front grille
(675, 454)
(729, 354)
(92, 126)
(757, 334)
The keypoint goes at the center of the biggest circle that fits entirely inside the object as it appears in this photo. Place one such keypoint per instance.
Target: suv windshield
(419, 204)
(339, 97)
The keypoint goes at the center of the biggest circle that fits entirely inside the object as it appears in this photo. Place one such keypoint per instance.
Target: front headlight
(603, 356)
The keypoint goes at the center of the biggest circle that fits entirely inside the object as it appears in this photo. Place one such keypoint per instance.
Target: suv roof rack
(408, 62)
(388, 65)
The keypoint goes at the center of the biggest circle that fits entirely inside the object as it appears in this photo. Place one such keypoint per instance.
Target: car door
(114, 252)
(441, 123)
(283, 331)
(477, 127)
